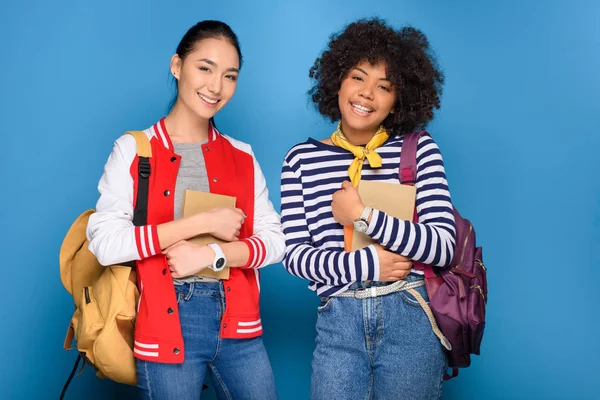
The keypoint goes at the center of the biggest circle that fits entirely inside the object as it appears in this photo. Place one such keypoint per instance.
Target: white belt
(376, 291)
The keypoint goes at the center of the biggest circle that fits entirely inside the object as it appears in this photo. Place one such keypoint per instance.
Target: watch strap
(365, 214)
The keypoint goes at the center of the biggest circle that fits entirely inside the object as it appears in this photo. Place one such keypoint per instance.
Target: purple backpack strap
(408, 159)
(408, 176)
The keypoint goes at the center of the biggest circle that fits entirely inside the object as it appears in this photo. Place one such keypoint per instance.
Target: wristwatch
(219, 261)
(362, 224)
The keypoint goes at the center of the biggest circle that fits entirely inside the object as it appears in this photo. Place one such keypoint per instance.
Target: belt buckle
(365, 293)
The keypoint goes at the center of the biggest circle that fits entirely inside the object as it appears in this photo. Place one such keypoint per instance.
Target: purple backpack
(457, 293)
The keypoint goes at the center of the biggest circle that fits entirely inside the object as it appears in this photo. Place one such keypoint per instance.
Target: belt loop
(190, 293)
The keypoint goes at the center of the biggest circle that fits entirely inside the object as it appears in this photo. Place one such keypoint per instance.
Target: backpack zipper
(480, 290)
(481, 265)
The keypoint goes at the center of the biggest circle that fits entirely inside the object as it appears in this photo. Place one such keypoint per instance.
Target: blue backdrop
(518, 129)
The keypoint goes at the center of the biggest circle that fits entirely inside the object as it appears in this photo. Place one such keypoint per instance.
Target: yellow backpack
(105, 297)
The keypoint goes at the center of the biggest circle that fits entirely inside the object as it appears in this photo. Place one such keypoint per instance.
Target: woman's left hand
(346, 205)
(186, 259)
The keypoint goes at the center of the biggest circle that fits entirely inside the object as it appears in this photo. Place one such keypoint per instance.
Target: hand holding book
(227, 223)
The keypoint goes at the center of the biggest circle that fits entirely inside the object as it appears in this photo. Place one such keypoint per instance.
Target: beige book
(392, 198)
(195, 202)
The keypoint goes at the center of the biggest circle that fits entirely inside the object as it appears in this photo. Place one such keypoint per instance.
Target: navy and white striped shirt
(312, 171)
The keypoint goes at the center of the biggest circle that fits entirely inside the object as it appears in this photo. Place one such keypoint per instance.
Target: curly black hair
(411, 67)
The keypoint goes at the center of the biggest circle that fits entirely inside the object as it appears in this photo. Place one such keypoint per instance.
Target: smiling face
(207, 76)
(366, 97)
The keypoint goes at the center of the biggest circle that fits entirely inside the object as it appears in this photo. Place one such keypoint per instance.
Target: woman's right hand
(392, 266)
(224, 222)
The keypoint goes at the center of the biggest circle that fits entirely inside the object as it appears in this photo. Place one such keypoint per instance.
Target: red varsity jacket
(232, 170)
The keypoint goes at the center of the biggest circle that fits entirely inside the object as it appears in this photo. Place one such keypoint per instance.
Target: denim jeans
(378, 348)
(239, 368)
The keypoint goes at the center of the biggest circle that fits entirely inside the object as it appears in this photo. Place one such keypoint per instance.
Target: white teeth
(211, 101)
(361, 108)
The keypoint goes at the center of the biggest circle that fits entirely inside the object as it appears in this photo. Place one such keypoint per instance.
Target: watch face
(360, 226)
(220, 264)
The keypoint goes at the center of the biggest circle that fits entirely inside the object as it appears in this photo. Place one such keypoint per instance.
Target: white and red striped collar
(212, 132)
(160, 130)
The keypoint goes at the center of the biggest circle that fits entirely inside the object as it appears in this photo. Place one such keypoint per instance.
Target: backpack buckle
(144, 168)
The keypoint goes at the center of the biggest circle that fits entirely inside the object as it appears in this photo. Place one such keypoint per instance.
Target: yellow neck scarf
(355, 169)
(359, 152)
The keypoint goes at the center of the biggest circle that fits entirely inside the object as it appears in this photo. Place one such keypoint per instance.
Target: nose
(214, 84)
(366, 92)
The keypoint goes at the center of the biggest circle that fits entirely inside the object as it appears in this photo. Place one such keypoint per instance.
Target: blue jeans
(239, 368)
(377, 348)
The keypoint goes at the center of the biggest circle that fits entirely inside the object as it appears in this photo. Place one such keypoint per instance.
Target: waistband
(198, 288)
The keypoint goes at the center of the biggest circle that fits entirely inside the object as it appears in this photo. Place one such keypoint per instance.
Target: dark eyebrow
(214, 64)
(365, 72)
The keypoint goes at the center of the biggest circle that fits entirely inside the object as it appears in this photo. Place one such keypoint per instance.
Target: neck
(356, 136)
(184, 126)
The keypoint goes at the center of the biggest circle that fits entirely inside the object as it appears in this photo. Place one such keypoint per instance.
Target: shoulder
(428, 153)
(241, 151)
(428, 148)
(425, 144)
(304, 150)
(238, 144)
(427, 141)
(126, 146)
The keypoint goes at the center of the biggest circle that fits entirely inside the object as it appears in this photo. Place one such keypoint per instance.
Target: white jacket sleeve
(113, 237)
(267, 244)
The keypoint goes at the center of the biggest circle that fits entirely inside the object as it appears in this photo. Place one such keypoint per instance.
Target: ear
(176, 66)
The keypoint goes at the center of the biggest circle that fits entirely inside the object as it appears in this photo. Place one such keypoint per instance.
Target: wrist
(200, 224)
(358, 212)
(205, 257)
(370, 216)
(361, 224)
(219, 260)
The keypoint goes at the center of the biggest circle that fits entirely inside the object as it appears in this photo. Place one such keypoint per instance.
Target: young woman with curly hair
(380, 84)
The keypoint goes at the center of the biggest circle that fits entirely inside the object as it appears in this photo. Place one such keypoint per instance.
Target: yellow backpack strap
(143, 144)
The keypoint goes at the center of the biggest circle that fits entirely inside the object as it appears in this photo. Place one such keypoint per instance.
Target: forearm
(236, 253)
(172, 232)
(332, 267)
(431, 243)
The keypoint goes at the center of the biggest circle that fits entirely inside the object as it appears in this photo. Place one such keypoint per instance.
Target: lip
(206, 103)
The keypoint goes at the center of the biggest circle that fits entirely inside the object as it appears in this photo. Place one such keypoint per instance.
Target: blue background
(518, 130)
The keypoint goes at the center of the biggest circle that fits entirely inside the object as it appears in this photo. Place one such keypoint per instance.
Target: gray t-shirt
(192, 172)
(191, 176)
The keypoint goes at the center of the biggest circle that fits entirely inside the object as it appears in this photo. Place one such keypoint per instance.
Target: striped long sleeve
(432, 240)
